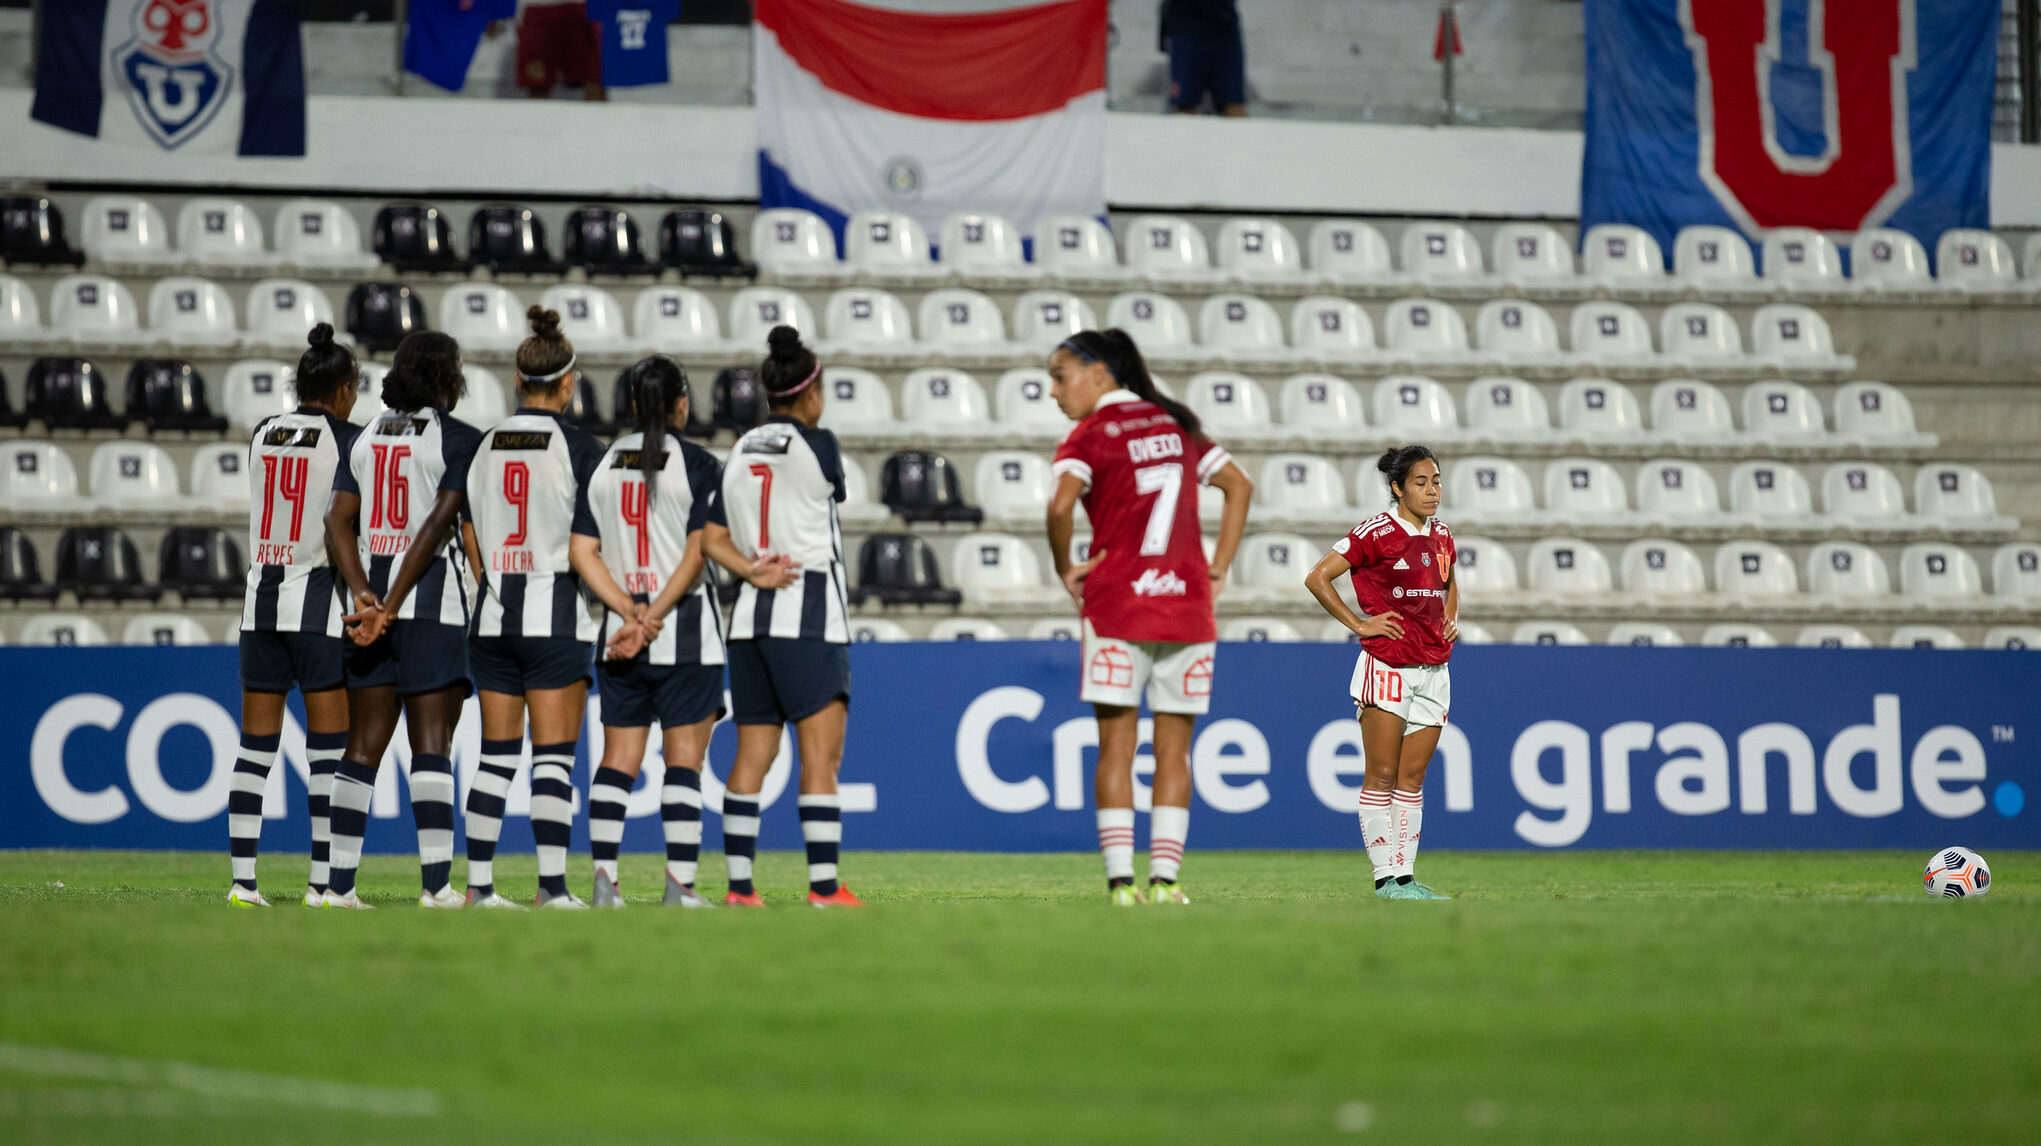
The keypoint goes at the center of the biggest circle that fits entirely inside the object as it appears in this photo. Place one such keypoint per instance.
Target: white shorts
(1420, 694)
(1176, 677)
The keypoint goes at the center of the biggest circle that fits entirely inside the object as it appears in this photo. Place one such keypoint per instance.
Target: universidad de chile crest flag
(211, 77)
(1834, 114)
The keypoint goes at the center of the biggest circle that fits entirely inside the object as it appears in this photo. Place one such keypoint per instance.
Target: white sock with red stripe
(1409, 809)
(1116, 842)
(1167, 829)
(1378, 833)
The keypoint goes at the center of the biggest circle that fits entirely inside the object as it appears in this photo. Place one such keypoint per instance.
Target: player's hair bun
(784, 341)
(545, 323)
(1389, 459)
(322, 335)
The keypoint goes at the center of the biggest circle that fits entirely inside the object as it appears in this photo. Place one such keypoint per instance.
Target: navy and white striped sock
(322, 754)
(607, 795)
(553, 812)
(486, 796)
(822, 831)
(432, 808)
(244, 803)
(740, 839)
(680, 813)
(354, 785)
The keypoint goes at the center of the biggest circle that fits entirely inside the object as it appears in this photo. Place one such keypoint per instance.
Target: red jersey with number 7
(1141, 474)
(1398, 566)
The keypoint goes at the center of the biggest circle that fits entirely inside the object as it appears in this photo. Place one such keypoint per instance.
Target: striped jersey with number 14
(644, 537)
(400, 462)
(292, 460)
(528, 491)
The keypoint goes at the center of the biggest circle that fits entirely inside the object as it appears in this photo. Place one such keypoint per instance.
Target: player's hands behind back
(368, 620)
(773, 571)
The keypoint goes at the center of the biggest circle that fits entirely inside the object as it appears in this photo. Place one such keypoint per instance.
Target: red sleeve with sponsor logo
(1152, 582)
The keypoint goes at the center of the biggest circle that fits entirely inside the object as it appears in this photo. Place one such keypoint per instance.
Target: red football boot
(841, 897)
(739, 899)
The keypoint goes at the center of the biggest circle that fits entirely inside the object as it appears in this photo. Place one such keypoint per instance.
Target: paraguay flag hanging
(211, 77)
(866, 108)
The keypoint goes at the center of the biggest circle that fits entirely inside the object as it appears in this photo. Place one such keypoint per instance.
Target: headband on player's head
(783, 395)
(542, 379)
(1070, 344)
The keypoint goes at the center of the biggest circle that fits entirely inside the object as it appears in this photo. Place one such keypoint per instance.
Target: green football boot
(1167, 893)
(1423, 891)
(1125, 895)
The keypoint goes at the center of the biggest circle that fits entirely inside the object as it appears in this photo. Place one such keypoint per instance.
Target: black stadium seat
(416, 237)
(507, 237)
(164, 394)
(739, 399)
(922, 486)
(98, 562)
(583, 411)
(900, 569)
(21, 572)
(380, 315)
(8, 416)
(32, 231)
(604, 240)
(69, 394)
(698, 242)
(201, 561)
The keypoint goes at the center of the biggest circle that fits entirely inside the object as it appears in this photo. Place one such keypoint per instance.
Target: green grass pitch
(1641, 997)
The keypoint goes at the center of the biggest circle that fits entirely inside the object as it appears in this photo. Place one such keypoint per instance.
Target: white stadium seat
(190, 311)
(2016, 571)
(789, 240)
(1699, 334)
(1156, 321)
(1474, 634)
(1789, 335)
(21, 316)
(1258, 629)
(368, 394)
(281, 312)
(1584, 488)
(1324, 402)
(1530, 253)
(933, 396)
(1676, 490)
(1303, 484)
(1258, 250)
(1656, 567)
(2012, 637)
(1705, 255)
(1737, 635)
(1925, 637)
(220, 233)
(2031, 257)
(672, 318)
(1645, 634)
(1334, 633)
(855, 399)
(1516, 331)
(1056, 629)
(867, 317)
(1599, 408)
(1874, 412)
(873, 630)
(1012, 483)
(483, 316)
(1769, 489)
(973, 242)
(133, 474)
(1886, 259)
(589, 316)
(1691, 410)
(1225, 401)
(967, 629)
(1349, 251)
(1568, 566)
(319, 233)
(1482, 566)
(1801, 256)
(219, 475)
(1411, 402)
(1507, 407)
(1436, 252)
(1240, 325)
(1832, 637)
(1847, 569)
(1331, 328)
(994, 565)
(1024, 399)
(1166, 246)
(1973, 258)
(124, 230)
(61, 630)
(37, 475)
(258, 388)
(164, 629)
(1622, 255)
(755, 310)
(857, 489)
(1076, 245)
(1489, 488)
(958, 317)
(886, 242)
(1754, 569)
(1275, 561)
(1782, 410)
(1953, 493)
(1548, 633)
(1611, 333)
(1043, 318)
(93, 308)
(1864, 492)
(488, 400)
(1425, 329)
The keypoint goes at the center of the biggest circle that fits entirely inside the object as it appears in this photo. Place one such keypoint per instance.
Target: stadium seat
(1043, 318)
(1924, 637)
(1507, 407)
(98, 562)
(258, 388)
(21, 575)
(1698, 334)
(1259, 629)
(1770, 490)
(37, 476)
(1975, 259)
(62, 630)
(674, 318)
(1324, 402)
(755, 310)
(738, 398)
(1076, 246)
(923, 486)
(21, 317)
(1331, 329)
(1882, 258)
(9, 417)
(589, 316)
(121, 230)
(1655, 567)
(1599, 408)
(1617, 254)
(884, 242)
(508, 237)
(201, 562)
(1787, 335)
(317, 233)
(488, 400)
(1516, 331)
(1567, 566)
(1708, 256)
(1832, 637)
(995, 565)
(855, 399)
(1489, 489)
(867, 318)
(1056, 629)
(32, 233)
(1956, 494)
(368, 394)
(1302, 484)
(1691, 410)
(169, 395)
(603, 240)
(1548, 633)
(1754, 569)
(1437, 252)
(1645, 634)
(1838, 569)
(1863, 492)
(1258, 250)
(381, 315)
(1610, 334)
(483, 316)
(857, 494)
(1415, 404)
(1166, 247)
(1275, 561)
(1801, 257)
(1673, 490)
(961, 318)
(1531, 253)
(790, 240)
(2016, 571)
(187, 311)
(282, 311)
(1424, 329)
(1782, 410)
(695, 241)
(1240, 325)
(1481, 565)
(93, 308)
(414, 237)
(975, 243)
(2012, 638)
(1157, 322)
(1023, 400)
(1875, 412)
(1227, 402)
(1012, 483)
(1584, 488)
(68, 394)
(1350, 251)
(216, 232)
(951, 399)
(585, 411)
(219, 476)
(900, 569)
(1737, 635)
(871, 630)
(967, 629)
(164, 629)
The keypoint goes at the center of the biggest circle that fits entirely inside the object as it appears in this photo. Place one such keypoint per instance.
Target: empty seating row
(1744, 635)
(66, 630)
(102, 563)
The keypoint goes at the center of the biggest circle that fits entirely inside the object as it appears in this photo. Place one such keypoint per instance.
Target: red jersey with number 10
(1400, 567)
(1141, 473)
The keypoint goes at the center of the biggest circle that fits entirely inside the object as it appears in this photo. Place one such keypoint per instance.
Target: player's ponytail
(545, 359)
(325, 368)
(790, 368)
(1115, 350)
(425, 371)
(655, 384)
(1397, 463)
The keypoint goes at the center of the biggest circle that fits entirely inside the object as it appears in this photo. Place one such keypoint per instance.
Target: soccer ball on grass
(1957, 873)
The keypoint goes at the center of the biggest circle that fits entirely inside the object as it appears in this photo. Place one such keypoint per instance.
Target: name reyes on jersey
(1159, 583)
(1155, 448)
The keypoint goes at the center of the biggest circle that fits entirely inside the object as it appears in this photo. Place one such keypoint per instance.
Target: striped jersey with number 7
(780, 490)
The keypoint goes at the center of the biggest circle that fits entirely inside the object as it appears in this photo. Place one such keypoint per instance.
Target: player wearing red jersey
(1402, 567)
(1137, 458)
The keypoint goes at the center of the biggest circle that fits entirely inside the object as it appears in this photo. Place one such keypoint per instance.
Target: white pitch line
(237, 1085)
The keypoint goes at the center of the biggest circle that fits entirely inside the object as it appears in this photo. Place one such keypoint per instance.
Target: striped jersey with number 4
(400, 462)
(644, 537)
(292, 460)
(527, 490)
(780, 491)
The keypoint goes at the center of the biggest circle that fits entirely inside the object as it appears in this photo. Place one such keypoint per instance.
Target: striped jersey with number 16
(780, 491)
(400, 462)
(528, 491)
(292, 460)
(644, 538)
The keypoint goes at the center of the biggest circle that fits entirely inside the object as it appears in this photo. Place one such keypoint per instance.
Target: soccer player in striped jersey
(407, 458)
(291, 618)
(652, 496)
(790, 633)
(1402, 567)
(1137, 458)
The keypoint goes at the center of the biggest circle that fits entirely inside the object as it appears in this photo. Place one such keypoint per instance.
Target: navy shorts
(412, 657)
(636, 694)
(1201, 65)
(517, 665)
(273, 662)
(779, 680)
